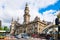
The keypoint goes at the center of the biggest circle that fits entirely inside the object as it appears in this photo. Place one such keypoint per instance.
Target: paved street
(30, 39)
(34, 39)
(27, 39)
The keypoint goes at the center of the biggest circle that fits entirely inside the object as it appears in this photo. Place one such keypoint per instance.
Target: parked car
(22, 35)
(18, 36)
(35, 35)
(25, 35)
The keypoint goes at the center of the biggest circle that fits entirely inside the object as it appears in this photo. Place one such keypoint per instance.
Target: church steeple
(26, 15)
(26, 5)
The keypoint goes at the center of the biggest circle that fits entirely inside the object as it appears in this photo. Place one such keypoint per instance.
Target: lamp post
(54, 32)
(53, 28)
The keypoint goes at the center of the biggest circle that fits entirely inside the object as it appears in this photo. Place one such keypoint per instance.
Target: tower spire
(26, 14)
(26, 9)
(26, 4)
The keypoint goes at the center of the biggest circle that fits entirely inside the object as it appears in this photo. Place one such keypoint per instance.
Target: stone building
(35, 26)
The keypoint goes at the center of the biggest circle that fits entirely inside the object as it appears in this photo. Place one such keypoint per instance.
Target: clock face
(12, 27)
(27, 11)
(12, 24)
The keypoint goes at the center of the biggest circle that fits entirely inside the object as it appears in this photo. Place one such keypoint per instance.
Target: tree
(6, 28)
(1, 28)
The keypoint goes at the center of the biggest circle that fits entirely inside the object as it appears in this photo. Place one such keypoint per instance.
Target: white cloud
(57, 12)
(15, 8)
(16, 4)
(48, 16)
(41, 3)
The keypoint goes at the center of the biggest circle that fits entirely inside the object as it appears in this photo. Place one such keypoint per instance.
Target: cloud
(41, 3)
(57, 12)
(15, 8)
(19, 4)
(48, 16)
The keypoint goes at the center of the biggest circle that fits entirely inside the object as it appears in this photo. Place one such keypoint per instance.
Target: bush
(1, 37)
(1, 28)
(6, 28)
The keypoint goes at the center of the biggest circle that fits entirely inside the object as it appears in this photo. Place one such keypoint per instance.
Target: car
(25, 35)
(22, 35)
(35, 35)
(18, 36)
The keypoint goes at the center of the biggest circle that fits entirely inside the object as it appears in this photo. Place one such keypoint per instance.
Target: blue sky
(56, 7)
(45, 9)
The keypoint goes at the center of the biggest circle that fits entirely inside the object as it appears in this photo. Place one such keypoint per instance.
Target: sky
(45, 9)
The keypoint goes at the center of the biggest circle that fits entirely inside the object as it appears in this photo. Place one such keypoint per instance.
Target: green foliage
(6, 28)
(1, 37)
(1, 28)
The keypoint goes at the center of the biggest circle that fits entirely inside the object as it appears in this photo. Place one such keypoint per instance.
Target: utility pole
(53, 29)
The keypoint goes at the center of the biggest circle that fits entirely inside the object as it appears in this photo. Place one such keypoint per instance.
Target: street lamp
(54, 32)
(53, 28)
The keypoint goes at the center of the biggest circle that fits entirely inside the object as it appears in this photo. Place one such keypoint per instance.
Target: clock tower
(26, 15)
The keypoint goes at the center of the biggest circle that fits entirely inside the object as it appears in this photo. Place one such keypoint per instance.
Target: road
(24, 39)
(28, 39)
